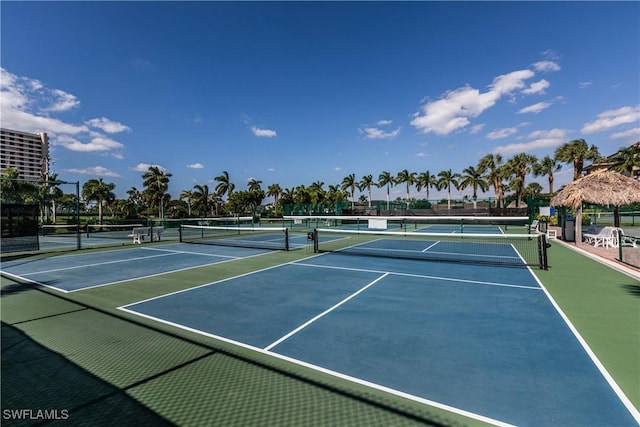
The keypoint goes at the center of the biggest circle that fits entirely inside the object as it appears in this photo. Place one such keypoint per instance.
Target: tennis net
(58, 229)
(493, 249)
(430, 224)
(111, 231)
(248, 237)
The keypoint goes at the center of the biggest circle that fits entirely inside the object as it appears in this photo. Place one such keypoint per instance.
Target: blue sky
(298, 92)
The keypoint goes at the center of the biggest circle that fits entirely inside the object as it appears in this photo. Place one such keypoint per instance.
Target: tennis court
(484, 341)
(75, 272)
(479, 337)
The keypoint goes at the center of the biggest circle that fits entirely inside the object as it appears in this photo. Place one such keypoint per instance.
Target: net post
(286, 239)
(315, 241)
(180, 233)
(78, 237)
(619, 236)
(542, 252)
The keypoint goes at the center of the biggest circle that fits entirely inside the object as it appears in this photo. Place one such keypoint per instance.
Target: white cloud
(476, 129)
(536, 140)
(26, 104)
(195, 166)
(95, 170)
(375, 133)
(583, 85)
(263, 133)
(546, 66)
(535, 108)
(630, 134)
(384, 122)
(612, 118)
(537, 87)
(61, 101)
(452, 111)
(97, 143)
(143, 167)
(271, 170)
(107, 125)
(421, 154)
(502, 133)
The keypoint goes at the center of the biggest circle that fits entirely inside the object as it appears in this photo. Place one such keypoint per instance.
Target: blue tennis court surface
(480, 340)
(88, 270)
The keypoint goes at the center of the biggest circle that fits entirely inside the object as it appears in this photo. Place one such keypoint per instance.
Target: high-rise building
(28, 152)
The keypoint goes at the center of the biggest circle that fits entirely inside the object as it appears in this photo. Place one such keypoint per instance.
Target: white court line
(594, 358)
(430, 246)
(317, 368)
(96, 264)
(190, 253)
(422, 276)
(33, 282)
(165, 272)
(202, 286)
(324, 313)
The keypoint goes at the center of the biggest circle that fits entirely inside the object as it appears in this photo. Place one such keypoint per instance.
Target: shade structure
(599, 188)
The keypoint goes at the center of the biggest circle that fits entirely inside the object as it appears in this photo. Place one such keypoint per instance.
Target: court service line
(422, 276)
(96, 264)
(167, 272)
(324, 313)
(430, 246)
(189, 253)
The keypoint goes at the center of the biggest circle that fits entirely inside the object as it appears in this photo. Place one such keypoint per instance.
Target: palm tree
(386, 179)
(136, 198)
(365, 184)
(99, 191)
(627, 159)
(156, 183)
(202, 199)
(126, 207)
(533, 189)
(547, 166)
(53, 194)
(520, 165)
(349, 183)
(426, 180)
(576, 152)
(274, 190)
(446, 180)
(491, 166)
(336, 194)
(287, 196)
(187, 194)
(317, 192)
(408, 178)
(254, 185)
(474, 179)
(225, 185)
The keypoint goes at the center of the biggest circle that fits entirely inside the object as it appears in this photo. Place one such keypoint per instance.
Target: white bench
(156, 232)
(533, 227)
(138, 234)
(607, 237)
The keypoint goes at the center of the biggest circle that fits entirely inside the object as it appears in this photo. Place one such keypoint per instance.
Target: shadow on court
(91, 366)
(36, 378)
(632, 289)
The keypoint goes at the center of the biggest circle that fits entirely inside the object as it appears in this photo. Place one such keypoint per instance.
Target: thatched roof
(599, 188)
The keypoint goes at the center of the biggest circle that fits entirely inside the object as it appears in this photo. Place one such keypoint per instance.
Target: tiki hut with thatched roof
(599, 188)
